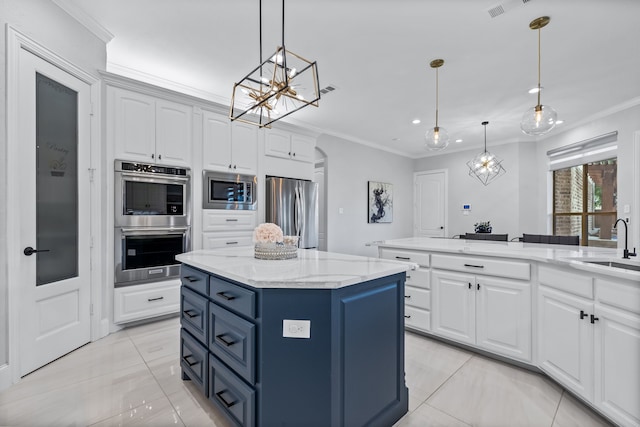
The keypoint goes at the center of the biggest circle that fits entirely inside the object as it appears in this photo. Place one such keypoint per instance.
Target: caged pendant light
(540, 119)
(280, 85)
(437, 137)
(485, 166)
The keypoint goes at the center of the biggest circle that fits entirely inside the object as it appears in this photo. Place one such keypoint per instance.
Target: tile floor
(132, 378)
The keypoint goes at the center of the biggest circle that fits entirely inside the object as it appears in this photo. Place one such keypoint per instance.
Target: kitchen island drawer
(193, 360)
(231, 394)
(232, 296)
(420, 258)
(193, 313)
(484, 266)
(417, 318)
(233, 340)
(194, 279)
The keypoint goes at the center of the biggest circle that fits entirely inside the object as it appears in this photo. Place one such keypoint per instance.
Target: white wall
(627, 123)
(349, 168)
(51, 27)
(499, 202)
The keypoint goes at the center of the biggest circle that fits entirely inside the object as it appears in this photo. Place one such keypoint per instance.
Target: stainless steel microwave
(229, 191)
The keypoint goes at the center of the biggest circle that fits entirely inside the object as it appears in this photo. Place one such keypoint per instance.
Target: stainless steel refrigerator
(292, 204)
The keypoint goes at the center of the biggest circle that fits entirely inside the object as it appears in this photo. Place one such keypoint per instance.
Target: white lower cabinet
(565, 339)
(488, 312)
(144, 301)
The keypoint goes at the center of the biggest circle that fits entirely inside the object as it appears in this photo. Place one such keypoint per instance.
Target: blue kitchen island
(312, 341)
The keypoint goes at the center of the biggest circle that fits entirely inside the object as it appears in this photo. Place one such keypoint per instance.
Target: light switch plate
(296, 328)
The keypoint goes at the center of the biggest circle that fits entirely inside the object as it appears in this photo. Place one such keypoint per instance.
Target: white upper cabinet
(149, 129)
(283, 144)
(227, 146)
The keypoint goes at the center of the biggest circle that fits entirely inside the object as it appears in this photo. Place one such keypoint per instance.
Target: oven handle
(154, 178)
(148, 230)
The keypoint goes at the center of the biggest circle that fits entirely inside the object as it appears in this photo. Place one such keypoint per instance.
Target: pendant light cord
(539, 61)
(284, 56)
(485, 137)
(436, 97)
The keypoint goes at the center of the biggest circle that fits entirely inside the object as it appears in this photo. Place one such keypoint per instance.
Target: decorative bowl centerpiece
(483, 227)
(270, 243)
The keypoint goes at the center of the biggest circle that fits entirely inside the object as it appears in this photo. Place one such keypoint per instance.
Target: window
(585, 202)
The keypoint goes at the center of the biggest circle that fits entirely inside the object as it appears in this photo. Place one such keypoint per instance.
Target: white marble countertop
(311, 270)
(573, 256)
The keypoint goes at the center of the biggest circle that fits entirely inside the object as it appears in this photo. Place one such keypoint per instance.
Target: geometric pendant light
(485, 166)
(540, 119)
(280, 85)
(437, 137)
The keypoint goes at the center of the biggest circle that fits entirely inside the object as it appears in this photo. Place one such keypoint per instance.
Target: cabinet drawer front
(193, 360)
(223, 220)
(194, 279)
(622, 294)
(421, 258)
(146, 301)
(491, 267)
(419, 278)
(232, 296)
(193, 314)
(233, 340)
(417, 318)
(568, 281)
(226, 240)
(231, 394)
(416, 297)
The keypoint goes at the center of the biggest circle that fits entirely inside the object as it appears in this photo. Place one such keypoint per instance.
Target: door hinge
(90, 241)
(91, 174)
(91, 109)
(91, 309)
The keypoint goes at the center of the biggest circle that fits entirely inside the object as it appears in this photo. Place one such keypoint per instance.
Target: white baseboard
(5, 377)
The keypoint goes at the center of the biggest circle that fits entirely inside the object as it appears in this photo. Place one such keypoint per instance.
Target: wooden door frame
(99, 327)
(445, 201)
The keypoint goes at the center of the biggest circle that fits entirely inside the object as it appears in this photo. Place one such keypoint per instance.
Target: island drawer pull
(223, 400)
(192, 278)
(231, 219)
(232, 243)
(190, 313)
(225, 342)
(407, 296)
(224, 295)
(406, 316)
(186, 359)
(474, 266)
(155, 299)
(405, 258)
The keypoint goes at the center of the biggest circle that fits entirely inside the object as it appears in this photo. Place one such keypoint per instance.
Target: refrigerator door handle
(298, 211)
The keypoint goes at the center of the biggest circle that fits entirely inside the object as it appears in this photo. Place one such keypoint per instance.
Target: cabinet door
(134, 125)
(216, 142)
(173, 133)
(503, 317)
(303, 148)
(244, 148)
(453, 305)
(617, 367)
(277, 143)
(565, 341)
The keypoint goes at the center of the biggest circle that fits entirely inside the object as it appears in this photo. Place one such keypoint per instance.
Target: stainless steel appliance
(151, 195)
(152, 221)
(229, 191)
(293, 205)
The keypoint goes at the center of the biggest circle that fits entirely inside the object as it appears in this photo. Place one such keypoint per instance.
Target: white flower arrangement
(268, 233)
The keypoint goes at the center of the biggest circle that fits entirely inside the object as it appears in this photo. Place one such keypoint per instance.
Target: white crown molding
(85, 19)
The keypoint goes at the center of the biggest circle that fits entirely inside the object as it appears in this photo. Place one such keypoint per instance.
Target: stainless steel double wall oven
(152, 221)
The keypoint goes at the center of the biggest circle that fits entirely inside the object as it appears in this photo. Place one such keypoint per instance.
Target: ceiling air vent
(325, 90)
(505, 7)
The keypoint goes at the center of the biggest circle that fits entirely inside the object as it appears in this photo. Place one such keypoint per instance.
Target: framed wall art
(380, 196)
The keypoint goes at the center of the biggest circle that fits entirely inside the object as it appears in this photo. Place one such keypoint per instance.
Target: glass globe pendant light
(540, 119)
(486, 166)
(437, 137)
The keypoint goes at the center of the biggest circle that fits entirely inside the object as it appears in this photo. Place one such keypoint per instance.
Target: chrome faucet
(626, 253)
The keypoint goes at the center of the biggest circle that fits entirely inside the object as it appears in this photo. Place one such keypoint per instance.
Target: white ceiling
(377, 54)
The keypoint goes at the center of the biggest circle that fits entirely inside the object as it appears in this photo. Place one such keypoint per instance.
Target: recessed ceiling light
(535, 89)
(415, 121)
(458, 140)
(559, 122)
(395, 139)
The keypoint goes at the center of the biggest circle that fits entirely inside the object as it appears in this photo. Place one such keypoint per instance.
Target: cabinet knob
(229, 165)
(294, 154)
(583, 314)
(153, 156)
(469, 285)
(289, 152)
(478, 286)
(594, 318)
(234, 166)
(159, 156)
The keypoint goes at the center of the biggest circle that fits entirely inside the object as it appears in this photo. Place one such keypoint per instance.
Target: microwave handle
(171, 230)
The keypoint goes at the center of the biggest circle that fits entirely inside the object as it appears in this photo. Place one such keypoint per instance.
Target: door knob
(441, 227)
(28, 251)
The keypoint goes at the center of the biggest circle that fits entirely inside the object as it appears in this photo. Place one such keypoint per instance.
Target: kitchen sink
(634, 267)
